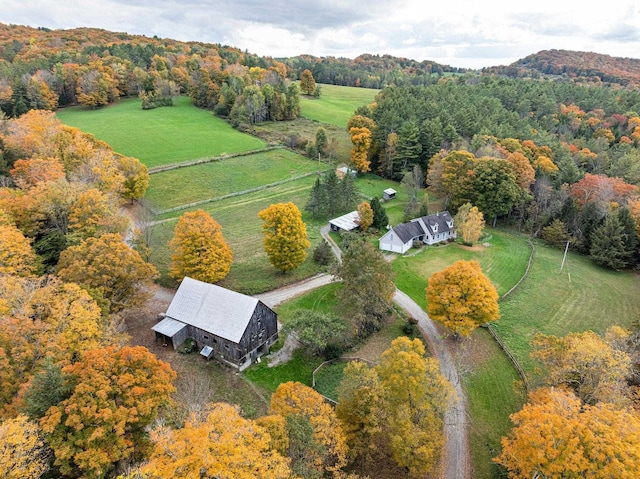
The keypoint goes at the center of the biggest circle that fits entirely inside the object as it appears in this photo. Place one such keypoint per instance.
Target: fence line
(511, 357)
(200, 161)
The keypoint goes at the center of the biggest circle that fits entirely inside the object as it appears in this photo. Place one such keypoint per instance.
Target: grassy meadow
(336, 104)
(161, 136)
(210, 180)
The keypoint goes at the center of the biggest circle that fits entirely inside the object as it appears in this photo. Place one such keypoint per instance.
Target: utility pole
(564, 257)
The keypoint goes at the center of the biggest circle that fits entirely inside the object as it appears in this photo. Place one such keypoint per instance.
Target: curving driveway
(456, 463)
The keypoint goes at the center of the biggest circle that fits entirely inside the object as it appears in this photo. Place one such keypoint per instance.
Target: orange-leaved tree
(556, 436)
(285, 235)
(199, 249)
(115, 395)
(361, 139)
(462, 298)
(107, 263)
(222, 445)
(16, 254)
(316, 441)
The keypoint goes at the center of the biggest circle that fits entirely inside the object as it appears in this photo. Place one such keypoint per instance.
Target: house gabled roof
(211, 308)
(407, 231)
(347, 222)
(439, 219)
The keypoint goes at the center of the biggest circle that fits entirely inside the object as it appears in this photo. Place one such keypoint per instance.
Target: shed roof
(347, 222)
(390, 191)
(211, 308)
(169, 327)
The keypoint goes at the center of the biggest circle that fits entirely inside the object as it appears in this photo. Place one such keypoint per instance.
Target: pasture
(336, 104)
(161, 136)
(182, 186)
(584, 297)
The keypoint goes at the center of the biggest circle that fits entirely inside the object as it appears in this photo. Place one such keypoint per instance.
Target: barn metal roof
(169, 327)
(347, 222)
(214, 309)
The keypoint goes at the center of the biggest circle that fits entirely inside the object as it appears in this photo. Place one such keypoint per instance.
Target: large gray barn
(229, 326)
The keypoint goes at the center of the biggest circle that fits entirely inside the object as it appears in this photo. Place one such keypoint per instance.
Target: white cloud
(463, 33)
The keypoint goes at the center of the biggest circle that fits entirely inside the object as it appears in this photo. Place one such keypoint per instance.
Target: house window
(205, 336)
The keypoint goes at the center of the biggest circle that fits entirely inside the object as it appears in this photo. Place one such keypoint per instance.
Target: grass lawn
(163, 135)
(504, 261)
(209, 180)
(336, 104)
(584, 297)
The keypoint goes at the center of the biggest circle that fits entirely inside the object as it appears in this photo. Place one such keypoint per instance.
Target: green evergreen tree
(607, 244)
(409, 146)
(630, 236)
(321, 140)
(317, 202)
(349, 194)
(380, 218)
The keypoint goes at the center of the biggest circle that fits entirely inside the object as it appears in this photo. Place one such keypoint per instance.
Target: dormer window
(450, 224)
(434, 226)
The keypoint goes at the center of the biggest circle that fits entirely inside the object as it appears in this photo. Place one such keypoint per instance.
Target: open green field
(163, 135)
(336, 104)
(584, 297)
(251, 271)
(209, 180)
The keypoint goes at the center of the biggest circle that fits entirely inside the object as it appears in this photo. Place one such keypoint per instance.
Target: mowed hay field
(336, 104)
(182, 186)
(161, 136)
(583, 297)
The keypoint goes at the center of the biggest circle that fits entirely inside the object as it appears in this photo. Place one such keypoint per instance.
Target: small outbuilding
(345, 170)
(389, 194)
(348, 222)
(229, 326)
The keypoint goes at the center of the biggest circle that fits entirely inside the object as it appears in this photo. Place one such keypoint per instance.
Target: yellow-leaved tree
(365, 215)
(462, 298)
(199, 249)
(396, 408)
(285, 236)
(222, 445)
(23, 453)
(361, 139)
(136, 178)
(469, 222)
(316, 442)
(556, 436)
(16, 254)
(115, 395)
(591, 366)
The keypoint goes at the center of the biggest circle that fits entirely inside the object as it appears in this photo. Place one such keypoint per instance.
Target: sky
(461, 33)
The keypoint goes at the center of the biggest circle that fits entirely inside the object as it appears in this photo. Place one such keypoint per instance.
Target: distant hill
(586, 65)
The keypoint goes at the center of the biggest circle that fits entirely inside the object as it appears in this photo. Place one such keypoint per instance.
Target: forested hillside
(579, 66)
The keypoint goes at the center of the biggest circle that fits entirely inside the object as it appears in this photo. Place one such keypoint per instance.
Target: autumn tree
(556, 436)
(307, 82)
(16, 254)
(28, 173)
(361, 140)
(106, 263)
(314, 432)
(416, 396)
(136, 178)
(367, 286)
(469, 222)
(199, 249)
(23, 453)
(115, 395)
(590, 365)
(94, 213)
(223, 445)
(285, 236)
(462, 298)
(396, 408)
(365, 215)
(602, 189)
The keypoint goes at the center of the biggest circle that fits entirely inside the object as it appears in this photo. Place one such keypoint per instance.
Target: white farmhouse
(429, 230)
